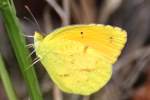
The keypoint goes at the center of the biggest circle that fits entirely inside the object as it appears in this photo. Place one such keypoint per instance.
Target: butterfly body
(79, 58)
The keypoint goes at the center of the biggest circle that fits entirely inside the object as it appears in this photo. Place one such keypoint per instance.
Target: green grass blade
(13, 5)
(6, 81)
(21, 52)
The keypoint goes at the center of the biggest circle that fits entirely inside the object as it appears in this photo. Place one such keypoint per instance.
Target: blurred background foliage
(131, 75)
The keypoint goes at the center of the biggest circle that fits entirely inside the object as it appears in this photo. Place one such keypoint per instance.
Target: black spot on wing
(111, 38)
(82, 35)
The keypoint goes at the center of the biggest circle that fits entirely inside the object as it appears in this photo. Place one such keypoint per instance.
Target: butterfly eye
(38, 36)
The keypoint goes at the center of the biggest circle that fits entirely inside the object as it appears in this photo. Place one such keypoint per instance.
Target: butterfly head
(38, 37)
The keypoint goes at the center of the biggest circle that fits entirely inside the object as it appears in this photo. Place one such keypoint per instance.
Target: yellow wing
(74, 69)
(108, 40)
(79, 58)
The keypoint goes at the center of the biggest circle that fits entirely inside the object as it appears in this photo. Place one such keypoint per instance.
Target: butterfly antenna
(35, 61)
(33, 23)
(30, 12)
(27, 19)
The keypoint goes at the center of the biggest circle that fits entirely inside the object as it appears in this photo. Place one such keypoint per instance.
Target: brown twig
(57, 8)
(57, 94)
(86, 98)
(63, 13)
(88, 11)
(48, 26)
(66, 6)
(108, 7)
(75, 9)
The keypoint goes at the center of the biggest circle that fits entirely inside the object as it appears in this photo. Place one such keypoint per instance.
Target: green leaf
(18, 43)
(6, 81)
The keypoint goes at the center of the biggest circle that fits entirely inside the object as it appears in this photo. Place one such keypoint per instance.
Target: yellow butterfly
(79, 58)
